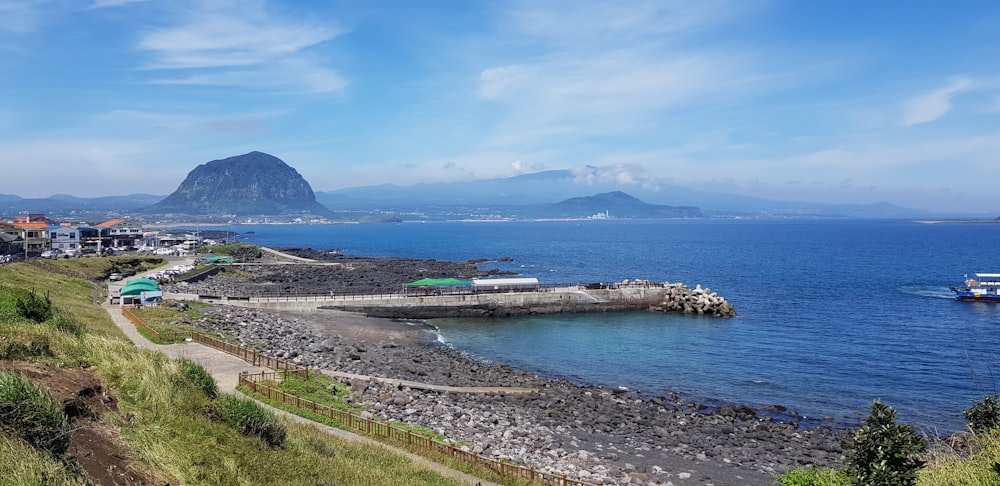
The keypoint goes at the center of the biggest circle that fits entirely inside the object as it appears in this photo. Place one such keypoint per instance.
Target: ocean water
(831, 314)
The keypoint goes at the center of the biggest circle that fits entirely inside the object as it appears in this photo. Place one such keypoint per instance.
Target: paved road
(225, 369)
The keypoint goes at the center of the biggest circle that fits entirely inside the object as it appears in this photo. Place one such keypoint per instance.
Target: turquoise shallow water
(832, 314)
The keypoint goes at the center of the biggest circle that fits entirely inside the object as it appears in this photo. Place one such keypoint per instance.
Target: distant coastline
(958, 221)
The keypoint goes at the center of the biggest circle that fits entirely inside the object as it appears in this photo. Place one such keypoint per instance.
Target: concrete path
(287, 256)
(225, 369)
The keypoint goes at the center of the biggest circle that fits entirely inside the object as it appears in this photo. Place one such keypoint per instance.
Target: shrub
(251, 419)
(35, 308)
(195, 375)
(812, 476)
(68, 325)
(884, 452)
(983, 416)
(29, 412)
(35, 347)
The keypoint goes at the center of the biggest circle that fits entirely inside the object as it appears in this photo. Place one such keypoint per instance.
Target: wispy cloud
(933, 105)
(243, 44)
(113, 3)
(22, 16)
(173, 124)
(594, 69)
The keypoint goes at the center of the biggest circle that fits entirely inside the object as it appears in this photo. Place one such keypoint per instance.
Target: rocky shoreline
(601, 435)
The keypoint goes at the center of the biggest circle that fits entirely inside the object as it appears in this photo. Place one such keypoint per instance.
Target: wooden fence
(348, 419)
(248, 355)
(382, 429)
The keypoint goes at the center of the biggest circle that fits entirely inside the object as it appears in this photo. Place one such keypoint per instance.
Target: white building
(64, 239)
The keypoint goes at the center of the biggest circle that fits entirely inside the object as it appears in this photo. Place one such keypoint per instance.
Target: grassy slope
(166, 422)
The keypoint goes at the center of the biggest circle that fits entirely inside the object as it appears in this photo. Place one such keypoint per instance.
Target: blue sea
(831, 314)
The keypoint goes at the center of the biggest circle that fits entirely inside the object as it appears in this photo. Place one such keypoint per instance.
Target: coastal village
(35, 235)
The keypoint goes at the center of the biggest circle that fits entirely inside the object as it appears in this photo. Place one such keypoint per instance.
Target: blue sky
(846, 101)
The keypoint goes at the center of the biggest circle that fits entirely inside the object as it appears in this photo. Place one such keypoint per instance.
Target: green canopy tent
(439, 282)
(138, 286)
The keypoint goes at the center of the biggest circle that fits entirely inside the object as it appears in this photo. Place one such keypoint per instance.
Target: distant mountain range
(11, 204)
(547, 187)
(261, 184)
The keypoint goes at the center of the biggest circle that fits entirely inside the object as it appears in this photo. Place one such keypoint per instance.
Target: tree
(884, 452)
(983, 416)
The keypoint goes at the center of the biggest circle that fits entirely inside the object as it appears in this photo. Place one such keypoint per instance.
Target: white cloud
(113, 3)
(147, 122)
(933, 105)
(564, 73)
(270, 50)
(22, 16)
(311, 79)
(588, 23)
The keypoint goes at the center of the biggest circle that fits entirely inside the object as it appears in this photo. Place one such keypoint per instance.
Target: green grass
(99, 268)
(165, 415)
(945, 468)
(812, 476)
(476, 470)
(325, 390)
(29, 412)
(318, 388)
(23, 465)
(165, 320)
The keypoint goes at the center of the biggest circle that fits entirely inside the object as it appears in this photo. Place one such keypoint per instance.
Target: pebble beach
(603, 435)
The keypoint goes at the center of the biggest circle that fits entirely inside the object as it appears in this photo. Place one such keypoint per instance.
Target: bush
(811, 476)
(35, 308)
(195, 375)
(68, 325)
(983, 416)
(251, 419)
(29, 412)
(35, 347)
(884, 452)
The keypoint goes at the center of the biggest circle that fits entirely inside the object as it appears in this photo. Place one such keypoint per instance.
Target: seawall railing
(362, 296)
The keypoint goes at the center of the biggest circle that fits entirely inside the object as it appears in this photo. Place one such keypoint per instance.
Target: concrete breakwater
(619, 297)
(375, 287)
(633, 295)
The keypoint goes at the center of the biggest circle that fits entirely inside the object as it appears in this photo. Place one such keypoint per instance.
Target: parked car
(50, 254)
(115, 276)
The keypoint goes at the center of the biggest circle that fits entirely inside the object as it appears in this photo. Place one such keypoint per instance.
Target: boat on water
(984, 287)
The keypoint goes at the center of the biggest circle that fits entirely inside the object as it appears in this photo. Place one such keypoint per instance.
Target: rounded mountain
(250, 184)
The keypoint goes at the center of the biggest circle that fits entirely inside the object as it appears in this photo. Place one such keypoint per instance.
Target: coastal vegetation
(887, 453)
(159, 413)
(239, 251)
(167, 417)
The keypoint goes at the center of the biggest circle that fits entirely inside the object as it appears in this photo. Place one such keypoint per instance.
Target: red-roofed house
(35, 236)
